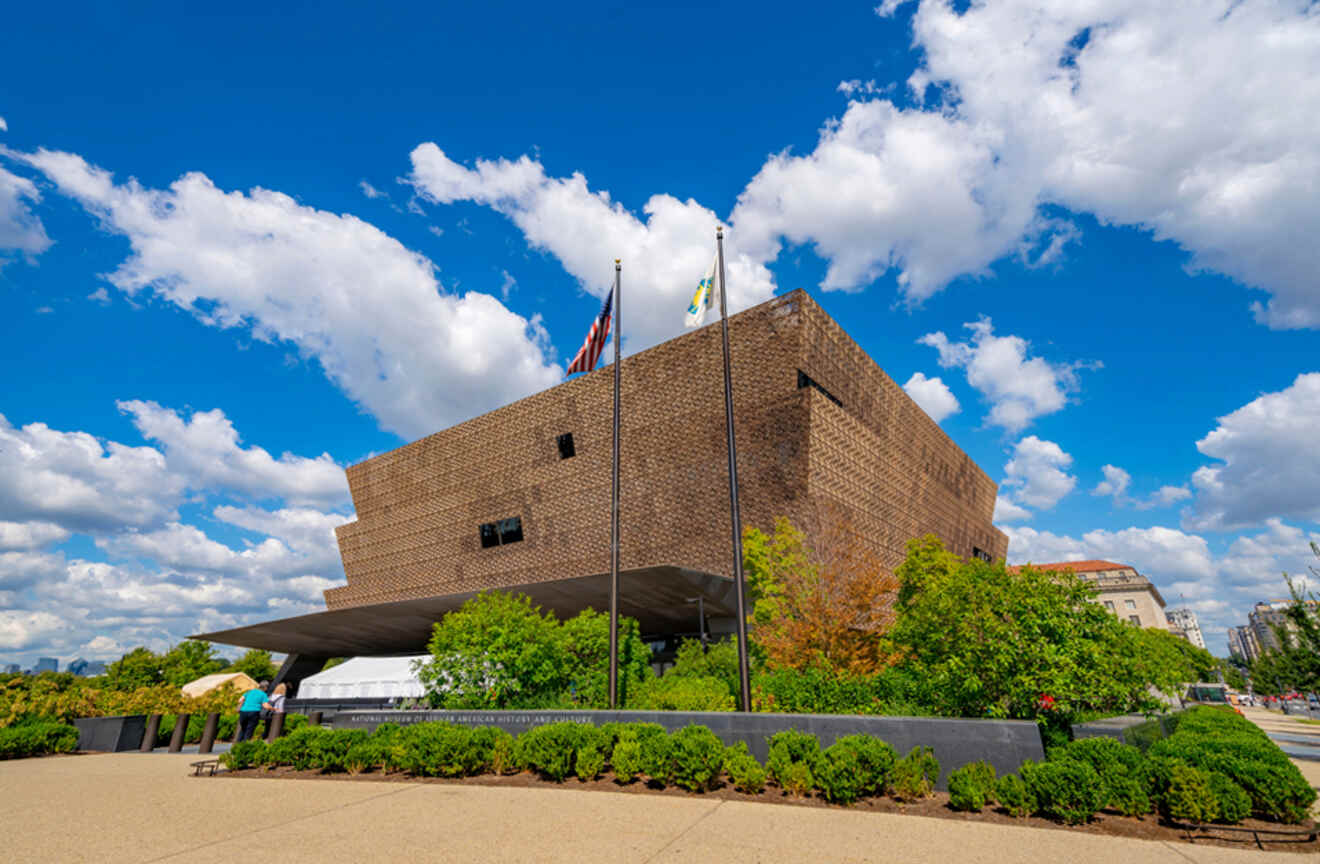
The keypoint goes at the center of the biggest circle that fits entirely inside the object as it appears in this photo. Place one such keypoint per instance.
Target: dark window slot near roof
(980, 553)
(501, 532)
(805, 380)
(566, 449)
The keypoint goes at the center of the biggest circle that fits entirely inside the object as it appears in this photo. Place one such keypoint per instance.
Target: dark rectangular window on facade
(566, 450)
(980, 553)
(805, 380)
(510, 530)
(501, 532)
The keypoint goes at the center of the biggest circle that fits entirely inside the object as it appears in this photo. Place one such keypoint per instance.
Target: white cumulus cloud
(1267, 461)
(205, 450)
(933, 395)
(663, 256)
(1038, 473)
(369, 310)
(1019, 387)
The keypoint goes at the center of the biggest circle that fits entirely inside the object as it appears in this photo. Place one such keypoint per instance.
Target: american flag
(589, 353)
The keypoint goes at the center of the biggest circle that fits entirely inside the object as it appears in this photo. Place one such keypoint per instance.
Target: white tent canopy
(365, 678)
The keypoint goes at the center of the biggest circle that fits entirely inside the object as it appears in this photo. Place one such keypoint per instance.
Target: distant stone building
(1263, 620)
(1242, 644)
(46, 664)
(1123, 590)
(1183, 622)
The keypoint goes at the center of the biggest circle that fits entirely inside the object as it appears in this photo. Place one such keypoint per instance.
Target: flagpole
(744, 676)
(614, 505)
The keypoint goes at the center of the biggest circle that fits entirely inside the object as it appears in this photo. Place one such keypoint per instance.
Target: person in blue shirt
(249, 710)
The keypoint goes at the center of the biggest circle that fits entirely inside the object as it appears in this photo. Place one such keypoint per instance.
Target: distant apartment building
(1266, 620)
(1183, 622)
(1122, 590)
(46, 664)
(13, 669)
(1242, 644)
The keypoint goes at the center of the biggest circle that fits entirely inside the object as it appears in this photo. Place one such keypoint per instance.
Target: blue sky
(243, 250)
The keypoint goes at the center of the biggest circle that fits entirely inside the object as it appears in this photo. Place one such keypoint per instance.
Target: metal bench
(208, 765)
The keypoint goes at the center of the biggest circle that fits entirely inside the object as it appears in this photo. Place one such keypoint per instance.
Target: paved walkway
(138, 808)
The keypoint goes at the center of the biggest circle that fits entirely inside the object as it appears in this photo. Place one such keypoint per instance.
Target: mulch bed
(935, 807)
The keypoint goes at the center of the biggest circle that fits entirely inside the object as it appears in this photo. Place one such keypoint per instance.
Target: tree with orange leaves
(824, 601)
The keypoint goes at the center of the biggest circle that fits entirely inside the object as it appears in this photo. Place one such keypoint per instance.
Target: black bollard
(314, 719)
(275, 727)
(209, 732)
(180, 732)
(149, 737)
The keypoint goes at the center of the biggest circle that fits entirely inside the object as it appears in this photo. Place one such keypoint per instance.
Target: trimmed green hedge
(1215, 767)
(1212, 768)
(37, 739)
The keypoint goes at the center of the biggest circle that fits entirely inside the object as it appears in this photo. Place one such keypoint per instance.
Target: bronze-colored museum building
(519, 498)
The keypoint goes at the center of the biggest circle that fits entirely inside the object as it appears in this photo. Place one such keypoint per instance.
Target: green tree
(188, 661)
(993, 641)
(140, 667)
(496, 651)
(256, 664)
(585, 641)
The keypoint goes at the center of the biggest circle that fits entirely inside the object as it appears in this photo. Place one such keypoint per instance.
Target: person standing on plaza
(249, 710)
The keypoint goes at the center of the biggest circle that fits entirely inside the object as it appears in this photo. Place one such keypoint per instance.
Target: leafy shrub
(673, 693)
(697, 756)
(552, 749)
(589, 763)
(854, 766)
(789, 748)
(1067, 790)
(485, 742)
(1123, 771)
(362, 756)
(915, 774)
(296, 750)
(1219, 741)
(656, 761)
(328, 751)
(798, 779)
(37, 739)
(1188, 796)
(747, 774)
(1231, 800)
(1014, 795)
(446, 750)
(627, 760)
(502, 760)
(244, 754)
(972, 786)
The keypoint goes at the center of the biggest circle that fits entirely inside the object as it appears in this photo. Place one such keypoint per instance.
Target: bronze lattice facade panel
(876, 454)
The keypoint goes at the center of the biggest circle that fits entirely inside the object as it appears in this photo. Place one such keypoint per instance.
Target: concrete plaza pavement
(133, 807)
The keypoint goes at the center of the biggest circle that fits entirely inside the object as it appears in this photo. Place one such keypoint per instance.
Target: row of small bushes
(37, 739)
(693, 758)
(1216, 767)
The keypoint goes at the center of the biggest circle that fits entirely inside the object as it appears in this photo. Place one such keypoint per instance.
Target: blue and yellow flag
(704, 297)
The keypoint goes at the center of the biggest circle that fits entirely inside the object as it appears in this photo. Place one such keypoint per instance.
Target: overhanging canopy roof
(662, 599)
